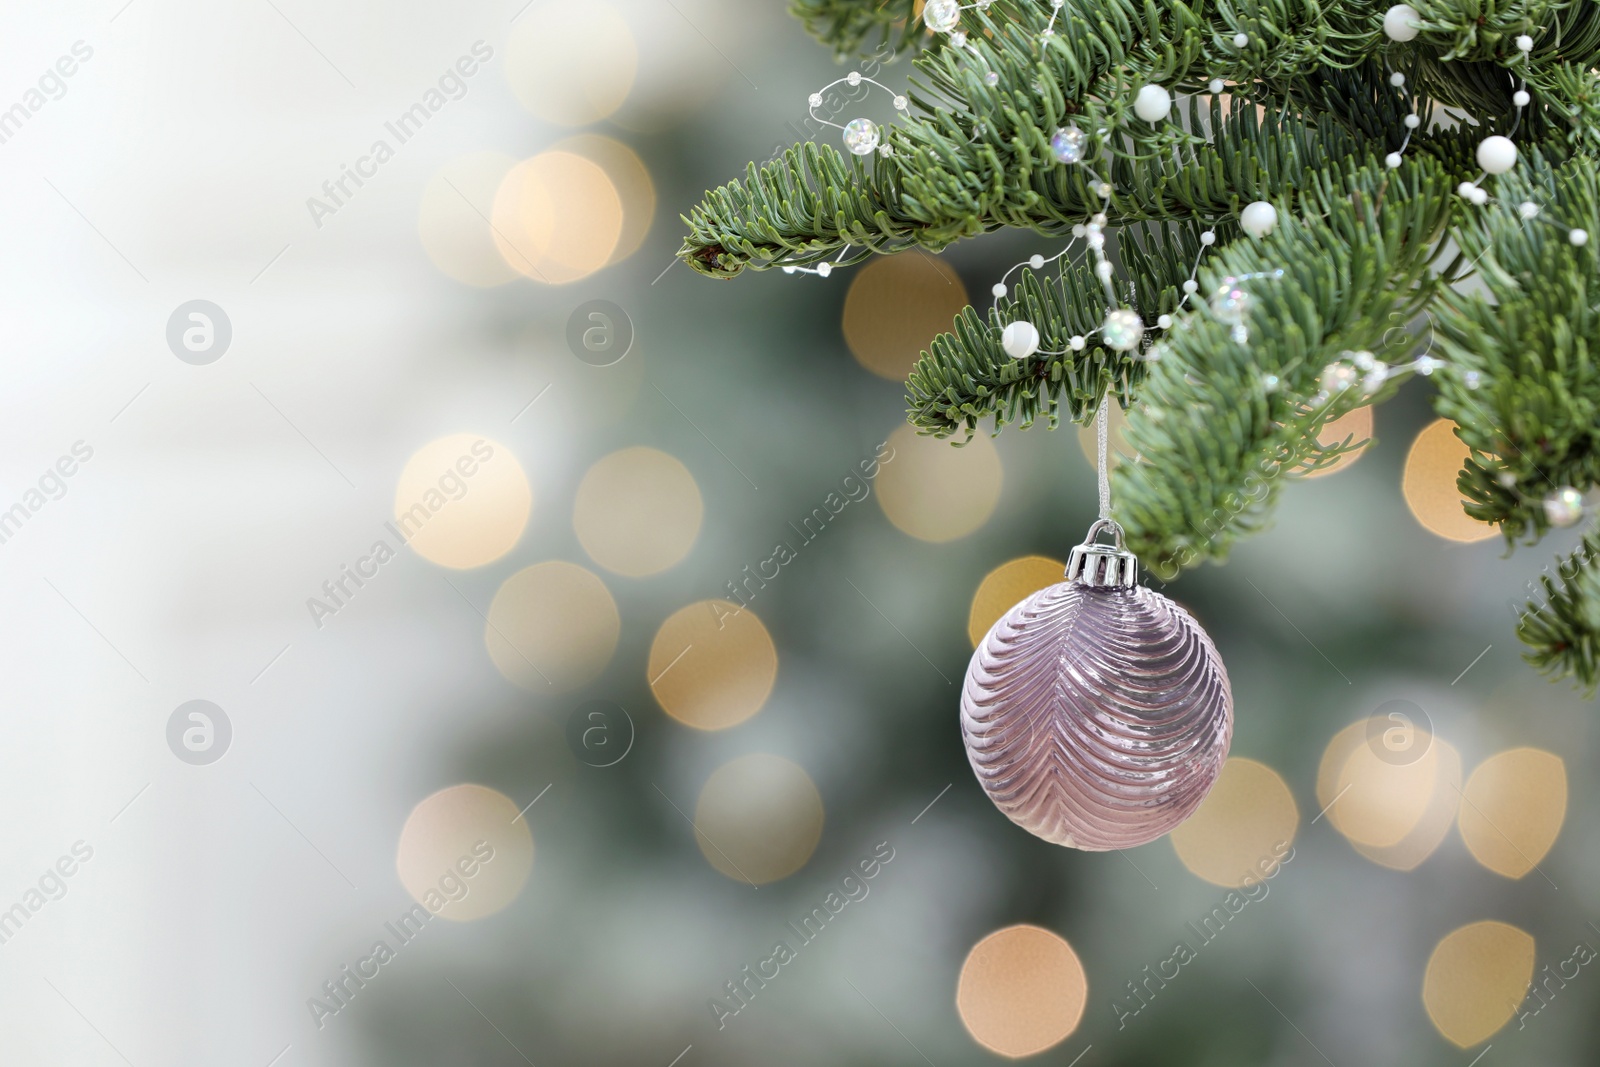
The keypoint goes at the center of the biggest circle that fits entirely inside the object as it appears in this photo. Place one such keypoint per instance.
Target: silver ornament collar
(1103, 566)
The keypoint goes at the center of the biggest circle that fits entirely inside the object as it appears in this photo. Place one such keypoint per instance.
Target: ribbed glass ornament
(1097, 713)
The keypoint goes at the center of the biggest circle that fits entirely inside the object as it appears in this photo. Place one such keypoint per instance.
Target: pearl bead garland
(1020, 339)
(1258, 219)
(1153, 103)
(1402, 23)
(1497, 154)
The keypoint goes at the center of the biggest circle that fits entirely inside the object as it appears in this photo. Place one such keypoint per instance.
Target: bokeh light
(1005, 586)
(453, 219)
(1512, 809)
(1429, 484)
(1022, 989)
(1395, 811)
(464, 853)
(712, 665)
(637, 512)
(935, 491)
(631, 179)
(1117, 448)
(1355, 425)
(758, 819)
(462, 501)
(557, 218)
(552, 627)
(896, 306)
(1243, 829)
(571, 64)
(1476, 979)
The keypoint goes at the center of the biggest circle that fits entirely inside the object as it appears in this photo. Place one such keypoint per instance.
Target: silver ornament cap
(1097, 713)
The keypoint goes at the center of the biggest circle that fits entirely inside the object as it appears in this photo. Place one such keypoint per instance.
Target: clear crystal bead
(861, 136)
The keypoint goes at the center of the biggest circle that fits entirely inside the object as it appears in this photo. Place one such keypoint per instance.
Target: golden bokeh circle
(638, 512)
(557, 218)
(631, 179)
(1512, 809)
(1476, 979)
(552, 627)
(896, 306)
(452, 220)
(712, 665)
(1022, 990)
(571, 64)
(1394, 814)
(1243, 829)
(1006, 586)
(464, 853)
(1429, 484)
(462, 501)
(1356, 425)
(758, 819)
(935, 491)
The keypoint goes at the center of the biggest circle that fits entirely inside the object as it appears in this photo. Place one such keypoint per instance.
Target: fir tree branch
(1217, 438)
(860, 27)
(1561, 627)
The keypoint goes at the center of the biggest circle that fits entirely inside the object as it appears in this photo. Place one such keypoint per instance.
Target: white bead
(1103, 190)
(1153, 103)
(1397, 79)
(824, 269)
(1465, 190)
(1412, 121)
(1478, 195)
(1078, 230)
(1402, 23)
(1036, 262)
(1564, 507)
(991, 78)
(1103, 269)
(959, 39)
(1426, 365)
(1374, 379)
(1164, 322)
(1076, 344)
(815, 100)
(1578, 238)
(1270, 383)
(1258, 219)
(999, 289)
(1241, 40)
(1123, 330)
(854, 77)
(1099, 219)
(1497, 154)
(1392, 160)
(901, 103)
(1208, 237)
(1191, 286)
(1528, 209)
(1020, 339)
(1472, 379)
(1217, 85)
(1525, 43)
(1363, 360)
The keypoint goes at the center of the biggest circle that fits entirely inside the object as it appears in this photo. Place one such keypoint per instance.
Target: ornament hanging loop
(1103, 566)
